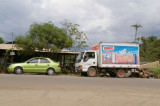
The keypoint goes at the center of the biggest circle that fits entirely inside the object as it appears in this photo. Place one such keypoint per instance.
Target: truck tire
(121, 73)
(91, 72)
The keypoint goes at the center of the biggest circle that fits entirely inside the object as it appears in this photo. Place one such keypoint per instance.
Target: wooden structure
(65, 57)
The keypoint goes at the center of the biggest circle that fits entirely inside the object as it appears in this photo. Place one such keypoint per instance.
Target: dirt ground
(42, 90)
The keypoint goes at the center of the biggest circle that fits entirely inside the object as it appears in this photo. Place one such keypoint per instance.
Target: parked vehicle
(36, 65)
(116, 59)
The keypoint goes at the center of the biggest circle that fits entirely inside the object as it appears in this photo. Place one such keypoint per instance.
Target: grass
(156, 70)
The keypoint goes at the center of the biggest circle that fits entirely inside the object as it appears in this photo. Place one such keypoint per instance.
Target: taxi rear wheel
(50, 71)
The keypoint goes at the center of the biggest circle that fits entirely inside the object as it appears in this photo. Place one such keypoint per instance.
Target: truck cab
(115, 59)
(86, 60)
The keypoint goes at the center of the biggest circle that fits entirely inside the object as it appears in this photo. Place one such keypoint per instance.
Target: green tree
(148, 52)
(79, 37)
(25, 44)
(44, 37)
(154, 50)
(143, 49)
(1, 40)
(151, 39)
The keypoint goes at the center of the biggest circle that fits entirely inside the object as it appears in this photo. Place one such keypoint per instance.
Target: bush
(156, 70)
(65, 71)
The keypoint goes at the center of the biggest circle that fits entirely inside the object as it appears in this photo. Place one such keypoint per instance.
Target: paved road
(42, 90)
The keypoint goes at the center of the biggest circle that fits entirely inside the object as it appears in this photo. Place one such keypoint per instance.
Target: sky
(101, 20)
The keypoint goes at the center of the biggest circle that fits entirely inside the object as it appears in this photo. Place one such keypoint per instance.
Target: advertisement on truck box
(114, 54)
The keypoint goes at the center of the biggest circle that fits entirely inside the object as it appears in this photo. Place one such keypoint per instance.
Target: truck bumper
(81, 69)
(77, 70)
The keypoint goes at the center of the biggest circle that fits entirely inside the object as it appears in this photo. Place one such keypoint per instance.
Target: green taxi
(36, 65)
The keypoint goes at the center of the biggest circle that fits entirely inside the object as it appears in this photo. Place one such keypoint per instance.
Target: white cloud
(88, 13)
(101, 20)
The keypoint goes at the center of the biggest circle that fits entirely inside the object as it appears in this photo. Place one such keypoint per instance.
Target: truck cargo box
(118, 55)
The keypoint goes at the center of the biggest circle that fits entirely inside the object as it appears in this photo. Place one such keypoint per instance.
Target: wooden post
(64, 60)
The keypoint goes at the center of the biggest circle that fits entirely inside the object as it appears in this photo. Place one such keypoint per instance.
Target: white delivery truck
(116, 59)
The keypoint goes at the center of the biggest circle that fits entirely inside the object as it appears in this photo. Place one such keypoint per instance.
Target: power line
(4, 32)
(6, 16)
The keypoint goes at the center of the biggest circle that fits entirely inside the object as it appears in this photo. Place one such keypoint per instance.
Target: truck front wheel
(121, 73)
(91, 72)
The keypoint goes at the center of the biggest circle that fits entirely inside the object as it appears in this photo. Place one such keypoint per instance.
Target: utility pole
(136, 27)
(12, 41)
(12, 53)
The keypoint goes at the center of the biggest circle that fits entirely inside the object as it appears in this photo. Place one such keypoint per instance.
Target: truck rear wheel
(91, 72)
(121, 73)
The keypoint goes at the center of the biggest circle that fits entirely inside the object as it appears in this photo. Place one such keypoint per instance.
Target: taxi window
(33, 61)
(44, 61)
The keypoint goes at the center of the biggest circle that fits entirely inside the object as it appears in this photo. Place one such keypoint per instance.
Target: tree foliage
(25, 44)
(79, 37)
(149, 48)
(1, 40)
(43, 37)
(154, 49)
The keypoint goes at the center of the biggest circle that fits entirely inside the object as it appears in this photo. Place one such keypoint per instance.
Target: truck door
(90, 59)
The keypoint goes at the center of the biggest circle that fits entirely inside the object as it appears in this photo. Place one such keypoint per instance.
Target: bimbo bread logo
(105, 48)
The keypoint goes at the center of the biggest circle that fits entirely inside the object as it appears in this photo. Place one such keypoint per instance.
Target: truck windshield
(80, 57)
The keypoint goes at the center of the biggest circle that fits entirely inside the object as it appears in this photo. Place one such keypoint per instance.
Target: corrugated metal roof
(9, 46)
